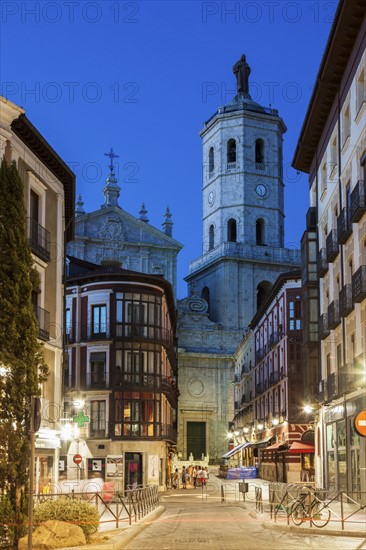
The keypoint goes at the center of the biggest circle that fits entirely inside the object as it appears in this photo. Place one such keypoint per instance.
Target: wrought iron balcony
(324, 330)
(345, 301)
(273, 378)
(332, 245)
(273, 339)
(231, 166)
(258, 389)
(332, 386)
(350, 378)
(322, 262)
(39, 240)
(259, 354)
(358, 201)
(359, 284)
(334, 318)
(168, 432)
(344, 226)
(43, 320)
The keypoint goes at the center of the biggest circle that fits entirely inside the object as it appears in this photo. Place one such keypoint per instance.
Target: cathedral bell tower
(243, 206)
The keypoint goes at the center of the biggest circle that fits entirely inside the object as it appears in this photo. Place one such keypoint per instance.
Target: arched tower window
(262, 290)
(231, 151)
(211, 160)
(211, 237)
(259, 232)
(231, 230)
(205, 294)
(259, 151)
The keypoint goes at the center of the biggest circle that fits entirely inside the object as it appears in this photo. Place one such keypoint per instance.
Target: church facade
(110, 234)
(243, 244)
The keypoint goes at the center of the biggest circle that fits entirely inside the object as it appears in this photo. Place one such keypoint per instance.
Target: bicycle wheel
(320, 517)
(298, 513)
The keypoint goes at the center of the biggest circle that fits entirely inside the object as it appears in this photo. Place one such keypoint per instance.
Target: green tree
(22, 365)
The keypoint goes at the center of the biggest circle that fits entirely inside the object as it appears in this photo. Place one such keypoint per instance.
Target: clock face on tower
(211, 198)
(261, 190)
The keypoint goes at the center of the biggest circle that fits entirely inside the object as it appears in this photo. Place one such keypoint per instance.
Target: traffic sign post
(360, 423)
(78, 459)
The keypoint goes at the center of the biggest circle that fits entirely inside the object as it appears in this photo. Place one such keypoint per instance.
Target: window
(346, 125)
(97, 418)
(137, 414)
(99, 320)
(231, 151)
(361, 91)
(294, 314)
(97, 373)
(211, 160)
(68, 323)
(136, 317)
(259, 232)
(231, 230)
(211, 237)
(323, 178)
(333, 157)
(259, 151)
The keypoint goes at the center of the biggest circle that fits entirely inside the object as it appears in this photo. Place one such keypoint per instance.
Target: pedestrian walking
(194, 475)
(184, 478)
(175, 482)
(204, 477)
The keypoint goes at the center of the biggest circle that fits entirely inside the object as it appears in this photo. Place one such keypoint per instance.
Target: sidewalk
(355, 526)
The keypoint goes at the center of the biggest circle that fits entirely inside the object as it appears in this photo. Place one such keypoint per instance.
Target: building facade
(121, 376)
(243, 254)
(49, 196)
(332, 150)
(278, 406)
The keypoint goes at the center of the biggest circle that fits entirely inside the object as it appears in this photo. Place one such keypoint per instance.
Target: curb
(314, 531)
(120, 540)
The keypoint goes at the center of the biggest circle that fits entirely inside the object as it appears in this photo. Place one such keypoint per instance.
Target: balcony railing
(322, 262)
(345, 301)
(359, 284)
(258, 389)
(324, 330)
(43, 320)
(259, 354)
(273, 339)
(334, 318)
(332, 386)
(344, 226)
(273, 378)
(95, 381)
(168, 432)
(358, 201)
(332, 246)
(98, 432)
(231, 166)
(351, 377)
(39, 240)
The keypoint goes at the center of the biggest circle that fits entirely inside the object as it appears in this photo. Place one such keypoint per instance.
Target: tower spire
(168, 224)
(111, 189)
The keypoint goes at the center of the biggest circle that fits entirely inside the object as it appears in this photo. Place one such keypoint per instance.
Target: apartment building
(332, 150)
(120, 377)
(49, 194)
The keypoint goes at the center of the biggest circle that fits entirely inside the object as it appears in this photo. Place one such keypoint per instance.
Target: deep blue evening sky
(143, 77)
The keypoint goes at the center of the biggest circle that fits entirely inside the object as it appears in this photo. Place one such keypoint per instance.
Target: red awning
(299, 447)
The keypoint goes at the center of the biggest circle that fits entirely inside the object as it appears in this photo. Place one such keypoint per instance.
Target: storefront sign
(360, 423)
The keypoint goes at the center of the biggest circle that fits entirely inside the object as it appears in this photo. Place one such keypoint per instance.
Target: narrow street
(192, 522)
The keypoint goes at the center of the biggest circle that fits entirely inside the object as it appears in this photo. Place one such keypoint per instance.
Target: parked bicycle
(308, 507)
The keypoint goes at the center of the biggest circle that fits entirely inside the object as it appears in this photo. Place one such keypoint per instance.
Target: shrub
(7, 523)
(70, 510)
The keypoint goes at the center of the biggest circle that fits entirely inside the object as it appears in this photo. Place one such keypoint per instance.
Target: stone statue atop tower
(241, 70)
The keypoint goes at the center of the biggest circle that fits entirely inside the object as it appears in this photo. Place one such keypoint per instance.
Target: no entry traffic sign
(360, 423)
(77, 459)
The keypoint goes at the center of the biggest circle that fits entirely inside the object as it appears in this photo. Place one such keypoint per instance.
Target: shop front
(344, 448)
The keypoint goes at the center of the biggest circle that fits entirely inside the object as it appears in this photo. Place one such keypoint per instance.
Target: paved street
(191, 522)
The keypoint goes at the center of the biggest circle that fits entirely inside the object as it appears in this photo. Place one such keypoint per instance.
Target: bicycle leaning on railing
(307, 507)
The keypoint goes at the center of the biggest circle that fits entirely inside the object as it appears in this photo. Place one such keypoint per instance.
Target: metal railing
(323, 507)
(114, 507)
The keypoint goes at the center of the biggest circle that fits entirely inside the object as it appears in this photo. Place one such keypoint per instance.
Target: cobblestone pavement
(192, 522)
